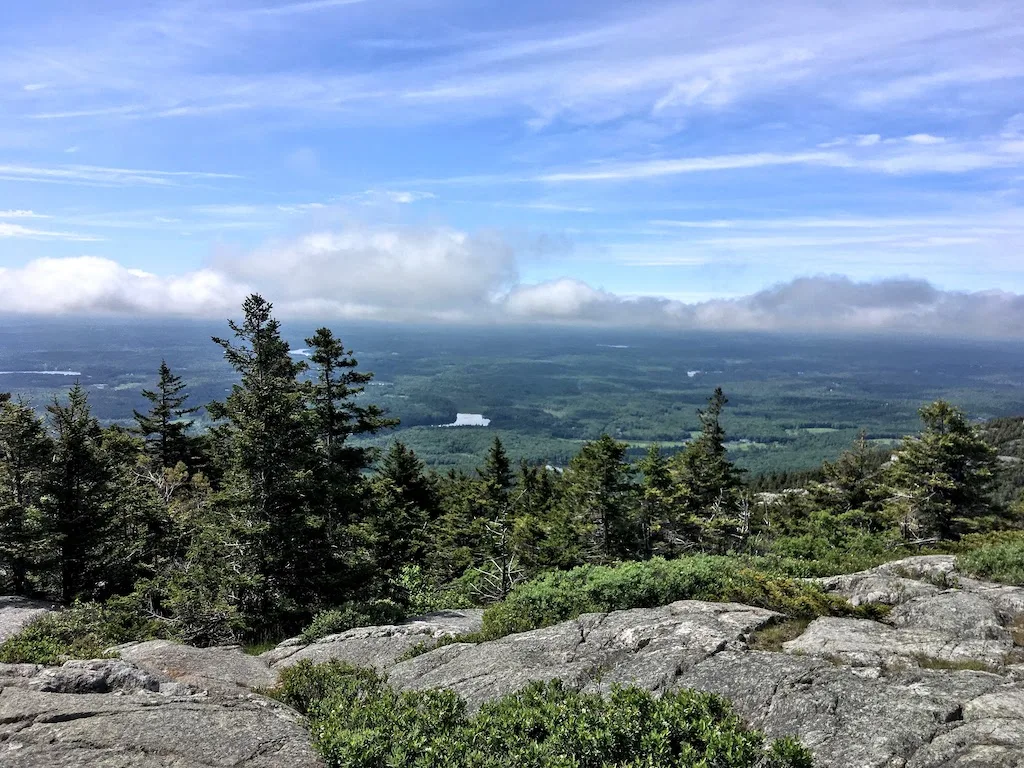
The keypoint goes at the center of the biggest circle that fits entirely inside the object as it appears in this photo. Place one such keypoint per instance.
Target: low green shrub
(357, 721)
(83, 631)
(993, 556)
(563, 595)
(352, 615)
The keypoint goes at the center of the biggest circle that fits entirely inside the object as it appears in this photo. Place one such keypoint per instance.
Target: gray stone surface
(647, 647)
(107, 713)
(377, 647)
(225, 669)
(16, 612)
(859, 693)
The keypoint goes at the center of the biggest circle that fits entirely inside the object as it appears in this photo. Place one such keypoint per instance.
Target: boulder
(377, 647)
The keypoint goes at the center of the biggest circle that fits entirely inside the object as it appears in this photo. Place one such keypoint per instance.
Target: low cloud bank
(446, 275)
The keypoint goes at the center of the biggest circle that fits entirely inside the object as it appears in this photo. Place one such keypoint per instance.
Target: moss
(931, 662)
(772, 636)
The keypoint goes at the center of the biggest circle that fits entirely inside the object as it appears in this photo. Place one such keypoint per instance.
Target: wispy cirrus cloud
(29, 233)
(91, 175)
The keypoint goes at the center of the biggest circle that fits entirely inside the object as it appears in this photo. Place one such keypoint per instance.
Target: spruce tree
(25, 453)
(268, 441)
(339, 415)
(707, 483)
(938, 483)
(165, 426)
(75, 508)
(496, 475)
(597, 493)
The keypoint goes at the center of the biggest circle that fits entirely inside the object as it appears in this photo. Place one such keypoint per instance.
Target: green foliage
(563, 595)
(421, 596)
(994, 557)
(359, 722)
(166, 425)
(83, 631)
(25, 450)
(706, 484)
(352, 615)
(596, 499)
(938, 483)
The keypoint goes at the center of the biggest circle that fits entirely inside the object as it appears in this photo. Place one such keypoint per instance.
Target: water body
(468, 420)
(45, 373)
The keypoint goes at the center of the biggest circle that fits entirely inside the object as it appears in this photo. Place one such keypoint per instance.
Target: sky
(726, 164)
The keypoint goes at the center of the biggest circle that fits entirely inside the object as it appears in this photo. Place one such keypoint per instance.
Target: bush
(423, 597)
(564, 595)
(994, 557)
(83, 631)
(359, 722)
(352, 615)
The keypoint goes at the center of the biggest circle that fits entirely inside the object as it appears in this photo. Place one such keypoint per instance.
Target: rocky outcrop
(938, 684)
(378, 647)
(109, 713)
(224, 669)
(16, 612)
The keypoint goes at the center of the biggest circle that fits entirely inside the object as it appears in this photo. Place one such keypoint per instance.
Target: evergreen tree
(75, 502)
(938, 483)
(849, 486)
(25, 452)
(707, 483)
(269, 447)
(406, 504)
(165, 426)
(597, 494)
(659, 530)
(339, 416)
(496, 476)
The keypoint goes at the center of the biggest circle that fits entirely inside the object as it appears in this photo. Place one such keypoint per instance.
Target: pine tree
(165, 426)
(25, 453)
(75, 509)
(938, 483)
(848, 486)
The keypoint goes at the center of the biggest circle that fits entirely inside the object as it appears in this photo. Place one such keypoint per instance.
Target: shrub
(359, 722)
(564, 595)
(352, 615)
(995, 557)
(423, 597)
(83, 631)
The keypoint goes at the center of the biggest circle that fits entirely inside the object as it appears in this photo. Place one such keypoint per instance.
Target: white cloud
(446, 275)
(21, 214)
(93, 175)
(28, 233)
(90, 284)
(924, 138)
(868, 140)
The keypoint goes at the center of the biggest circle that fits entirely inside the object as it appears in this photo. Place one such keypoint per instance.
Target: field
(794, 400)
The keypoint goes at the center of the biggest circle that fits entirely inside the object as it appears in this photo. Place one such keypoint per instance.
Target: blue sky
(359, 157)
